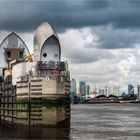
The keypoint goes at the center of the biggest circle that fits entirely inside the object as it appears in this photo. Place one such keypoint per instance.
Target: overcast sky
(99, 38)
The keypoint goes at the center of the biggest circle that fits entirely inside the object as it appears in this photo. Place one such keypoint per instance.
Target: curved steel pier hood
(46, 44)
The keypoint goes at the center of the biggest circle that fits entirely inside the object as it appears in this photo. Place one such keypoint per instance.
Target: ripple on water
(95, 122)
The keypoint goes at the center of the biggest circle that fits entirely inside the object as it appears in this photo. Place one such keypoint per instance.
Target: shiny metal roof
(19, 43)
(43, 32)
(11, 43)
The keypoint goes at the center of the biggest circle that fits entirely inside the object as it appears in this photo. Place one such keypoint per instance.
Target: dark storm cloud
(27, 15)
(89, 57)
(110, 38)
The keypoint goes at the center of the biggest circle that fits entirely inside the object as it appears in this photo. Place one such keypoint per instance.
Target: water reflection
(8, 131)
(96, 121)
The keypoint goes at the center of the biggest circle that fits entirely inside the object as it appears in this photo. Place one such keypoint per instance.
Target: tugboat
(34, 89)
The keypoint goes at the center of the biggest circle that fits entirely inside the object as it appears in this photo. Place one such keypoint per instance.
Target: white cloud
(126, 64)
(99, 66)
(96, 66)
(74, 44)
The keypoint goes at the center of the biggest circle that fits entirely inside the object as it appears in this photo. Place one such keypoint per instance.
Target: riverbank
(102, 101)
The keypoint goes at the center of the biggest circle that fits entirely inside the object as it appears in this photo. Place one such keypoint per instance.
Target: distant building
(101, 91)
(130, 95)
(82, 88)
(130, 89)
(138, 95)
(106, 91)
(73, 90)
(73, 86)
(87, 90)
(94, 91)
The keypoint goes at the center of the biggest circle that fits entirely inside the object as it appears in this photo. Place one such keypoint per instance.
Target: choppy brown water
(95, 122)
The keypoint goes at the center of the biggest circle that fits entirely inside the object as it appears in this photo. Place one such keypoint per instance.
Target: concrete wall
(53, 87)
(22, 69)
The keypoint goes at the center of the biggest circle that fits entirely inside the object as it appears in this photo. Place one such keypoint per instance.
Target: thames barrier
(34, 88)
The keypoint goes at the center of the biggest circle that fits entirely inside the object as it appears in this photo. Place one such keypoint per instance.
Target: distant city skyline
(106, 90)
(99, 39)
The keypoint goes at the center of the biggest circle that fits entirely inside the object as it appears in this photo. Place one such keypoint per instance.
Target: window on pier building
(8, 54)
(20, 54)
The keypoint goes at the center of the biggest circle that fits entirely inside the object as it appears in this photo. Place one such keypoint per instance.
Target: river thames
(88, 121)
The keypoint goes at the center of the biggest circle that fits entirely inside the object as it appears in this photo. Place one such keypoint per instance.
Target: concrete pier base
(31, 107)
